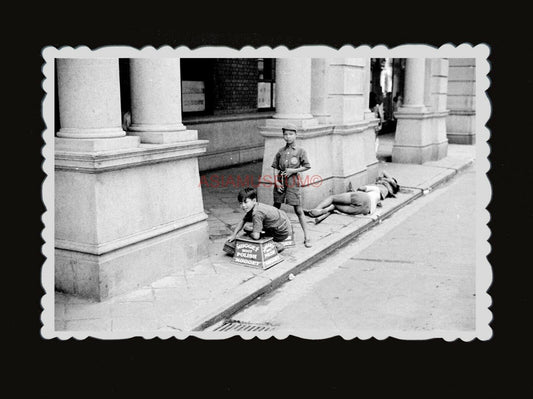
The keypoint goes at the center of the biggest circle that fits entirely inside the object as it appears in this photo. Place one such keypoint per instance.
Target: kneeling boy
(261, 217)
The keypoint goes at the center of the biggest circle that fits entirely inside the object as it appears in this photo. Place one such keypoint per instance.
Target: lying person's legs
(359, 204)
(329, 204)
(348, 209)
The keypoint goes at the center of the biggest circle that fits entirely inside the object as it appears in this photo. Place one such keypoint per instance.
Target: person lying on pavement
(362, 201)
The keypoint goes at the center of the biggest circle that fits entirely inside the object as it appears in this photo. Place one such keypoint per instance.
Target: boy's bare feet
(307, 243)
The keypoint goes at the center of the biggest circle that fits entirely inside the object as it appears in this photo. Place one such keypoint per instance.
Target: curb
(456, 171)
(258, 285)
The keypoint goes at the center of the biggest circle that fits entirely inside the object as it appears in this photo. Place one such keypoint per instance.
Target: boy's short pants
(291, 194)
(360, 202)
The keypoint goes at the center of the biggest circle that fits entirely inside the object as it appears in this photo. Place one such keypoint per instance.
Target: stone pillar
(415, 72)
(156, 101)
(125, 215)
(438, 95)
(89, 105)
(461, 100)
(347, 90)
(293, 92)
(337, 150)
(319, 92)
(293, 105)
(413, 141)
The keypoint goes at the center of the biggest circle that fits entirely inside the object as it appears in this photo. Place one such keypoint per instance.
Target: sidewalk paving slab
(215, 288)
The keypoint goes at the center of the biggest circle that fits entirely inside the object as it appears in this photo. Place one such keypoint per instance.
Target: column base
(336, 154)
(96, 133)
(96, 145)
(414, 154)
(414, 137)
(461, 127)
(322, 118)
(162, 137)
(99, 277)
(407, 109)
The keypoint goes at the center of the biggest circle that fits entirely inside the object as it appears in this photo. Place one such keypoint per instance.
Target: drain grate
(235, 325)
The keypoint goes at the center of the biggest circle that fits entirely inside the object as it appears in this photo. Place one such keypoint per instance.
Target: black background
(337, 367)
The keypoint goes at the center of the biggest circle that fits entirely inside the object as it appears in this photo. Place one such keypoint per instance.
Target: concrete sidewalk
(192, 299)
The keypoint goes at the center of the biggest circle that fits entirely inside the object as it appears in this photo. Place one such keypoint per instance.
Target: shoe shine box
(260, 253)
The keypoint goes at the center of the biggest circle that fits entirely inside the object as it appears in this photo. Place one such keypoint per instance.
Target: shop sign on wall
(193, 96)
(264, 95)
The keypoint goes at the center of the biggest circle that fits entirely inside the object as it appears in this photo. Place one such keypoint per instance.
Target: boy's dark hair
(247, 192)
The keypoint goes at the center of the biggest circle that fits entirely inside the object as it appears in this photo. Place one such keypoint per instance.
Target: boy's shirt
(265, 217)
(290, 156)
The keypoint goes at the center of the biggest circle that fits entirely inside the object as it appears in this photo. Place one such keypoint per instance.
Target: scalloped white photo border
(483, 273)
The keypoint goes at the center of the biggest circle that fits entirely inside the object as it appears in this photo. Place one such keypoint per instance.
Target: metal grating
(235, 325)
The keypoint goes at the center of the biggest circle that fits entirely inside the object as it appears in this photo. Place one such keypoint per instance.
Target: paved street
(413, 272)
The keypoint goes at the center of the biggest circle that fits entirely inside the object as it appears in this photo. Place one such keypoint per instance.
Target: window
(266, 68)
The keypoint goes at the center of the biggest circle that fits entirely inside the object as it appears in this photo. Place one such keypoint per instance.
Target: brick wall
(235, 86)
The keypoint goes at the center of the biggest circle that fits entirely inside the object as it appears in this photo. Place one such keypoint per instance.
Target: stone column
(438, 96)
(413, 141)
(353, 140)
(156, 101)
(319, 91)
(415, 71)
(89, 105)
(347, 90)
(293, 105)
(125, 215)
(293, 92)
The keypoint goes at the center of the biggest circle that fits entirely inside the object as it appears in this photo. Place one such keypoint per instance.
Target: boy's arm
(277, 183)
(255, 236)
(304, 165)
(292, 171)
(258, 226)
(236, 231)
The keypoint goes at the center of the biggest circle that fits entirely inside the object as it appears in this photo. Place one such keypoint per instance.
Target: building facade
(134, 135)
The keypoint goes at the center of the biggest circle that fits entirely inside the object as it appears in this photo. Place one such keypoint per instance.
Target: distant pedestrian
(396, 104)
(288, 162)
(376, 107)
(126, 120)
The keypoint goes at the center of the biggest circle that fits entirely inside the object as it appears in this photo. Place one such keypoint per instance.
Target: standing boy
(290, 160)
(261, 217)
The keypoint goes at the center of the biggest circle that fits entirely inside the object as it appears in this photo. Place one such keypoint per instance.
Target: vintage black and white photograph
(258, 192)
